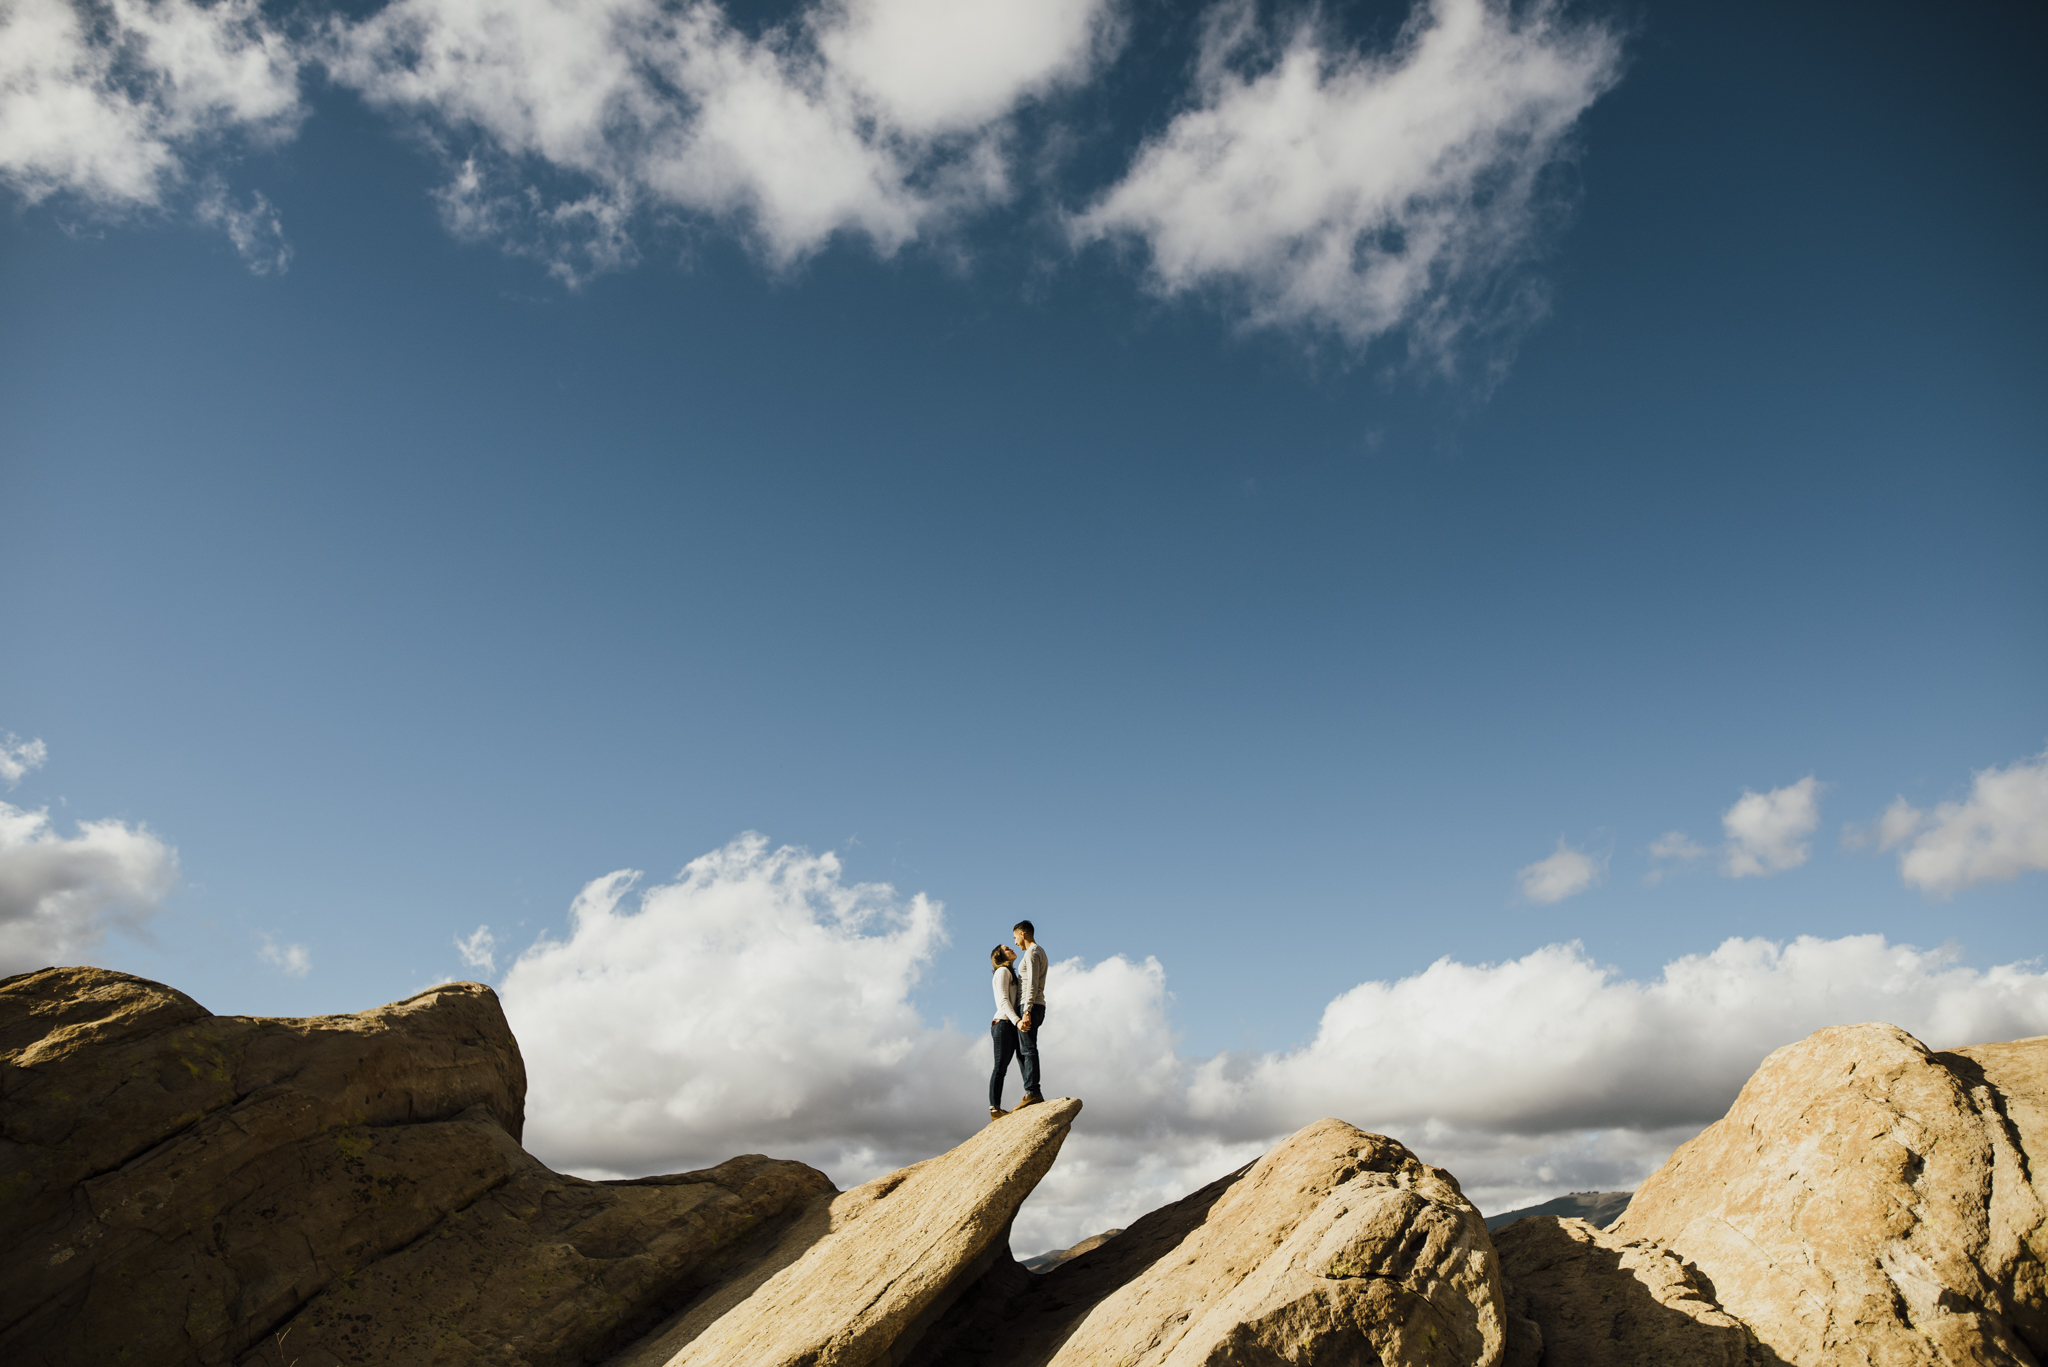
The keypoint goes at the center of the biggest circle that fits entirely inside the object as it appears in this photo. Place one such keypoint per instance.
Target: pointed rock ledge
(894, 1256)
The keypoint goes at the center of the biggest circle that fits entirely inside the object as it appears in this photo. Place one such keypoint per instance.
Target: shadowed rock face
(1594, 1302)
(1336, 1247)
(178, 1187)
(1868, 1201)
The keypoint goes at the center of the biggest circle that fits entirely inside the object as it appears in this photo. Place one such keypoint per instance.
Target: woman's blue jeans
(1003, 1036)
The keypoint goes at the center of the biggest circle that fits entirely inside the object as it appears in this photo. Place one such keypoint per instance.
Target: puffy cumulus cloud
(1998, 833)
(1322, 186)
(1554, 1042)
(760, 1003)
(60, 894)
(756, 999)
(20, 758)
(876, 117)
(107, 102)
(1767, 832)
(1564, 874)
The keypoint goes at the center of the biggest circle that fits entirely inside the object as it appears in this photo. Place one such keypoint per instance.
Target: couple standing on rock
(1020, 1011)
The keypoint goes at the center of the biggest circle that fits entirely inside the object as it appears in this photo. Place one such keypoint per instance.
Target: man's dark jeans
(1003, 1036)
(1027, 1050)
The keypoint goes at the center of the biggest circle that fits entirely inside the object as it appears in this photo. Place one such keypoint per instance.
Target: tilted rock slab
(1592, 1300)
(1869, 1201)
(889, 1258)
(1338, 1247)
(178, 1187)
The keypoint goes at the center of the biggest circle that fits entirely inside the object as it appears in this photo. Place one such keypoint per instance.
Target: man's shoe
(1030, 1099)
(996, 1113)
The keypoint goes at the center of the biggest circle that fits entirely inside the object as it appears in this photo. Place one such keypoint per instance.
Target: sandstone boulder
(862, 1277)
(1594, 1301)
(1337, 1247)
(178, 1187)
(1866, 1200)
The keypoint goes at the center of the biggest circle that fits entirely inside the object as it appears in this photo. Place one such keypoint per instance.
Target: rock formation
(178, 1187)
(1866, 1200)
(183, 1188)
(1578, 1299)
(861, 1279)
(1338, 1246)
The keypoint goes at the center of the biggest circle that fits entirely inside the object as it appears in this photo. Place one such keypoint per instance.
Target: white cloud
(60, 894)
(257, 231)
(1998, 833)
(882, 118)
(1676, 847)
(479, 950)
(19, 758)
(1767, 832)
(760, 1004)
(106, 103)
(1320, 186)
(294, 961)
(1563, 874)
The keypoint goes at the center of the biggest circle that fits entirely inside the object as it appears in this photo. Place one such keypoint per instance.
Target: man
(1031, 999)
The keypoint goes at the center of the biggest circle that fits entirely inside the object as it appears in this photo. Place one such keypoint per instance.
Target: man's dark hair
(1027, 928)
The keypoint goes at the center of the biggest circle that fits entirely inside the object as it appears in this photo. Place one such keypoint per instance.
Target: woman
(1002, 1027)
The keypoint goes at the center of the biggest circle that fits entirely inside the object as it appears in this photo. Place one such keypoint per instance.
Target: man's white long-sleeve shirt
(1031, 975)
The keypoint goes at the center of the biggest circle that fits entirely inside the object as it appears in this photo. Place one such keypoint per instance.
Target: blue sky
(412, 586)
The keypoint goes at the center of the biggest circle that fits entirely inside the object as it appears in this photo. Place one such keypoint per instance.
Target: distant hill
(1597, 1208)
(1046, 1262)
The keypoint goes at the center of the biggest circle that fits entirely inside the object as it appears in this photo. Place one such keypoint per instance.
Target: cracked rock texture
(1338, 1247)
(179, 1187)
(1866, 1201)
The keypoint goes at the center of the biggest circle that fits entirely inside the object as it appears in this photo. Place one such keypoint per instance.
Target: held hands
(1025, 1024)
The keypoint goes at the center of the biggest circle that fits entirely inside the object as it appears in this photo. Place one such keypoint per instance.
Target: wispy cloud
(109, 105)
(760, 1003)
(479, 950)
(1996, 834)
(1671, 850)
(1314, 184)
(1563, 874)
(881, 118)
(294, 961)
(20, 758)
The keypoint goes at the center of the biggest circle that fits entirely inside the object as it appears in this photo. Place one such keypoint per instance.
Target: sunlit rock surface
(179, 1187)
(1338, 1246)
(1867, 1200)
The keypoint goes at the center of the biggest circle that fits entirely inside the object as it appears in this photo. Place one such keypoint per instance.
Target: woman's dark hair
(999, 956)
